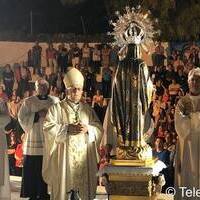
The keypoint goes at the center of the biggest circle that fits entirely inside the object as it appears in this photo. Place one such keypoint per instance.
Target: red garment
(19, 155)
(3, 96)
(17, 73)
(51, 53)
(165, 98)
(161, 134)
(103, 161)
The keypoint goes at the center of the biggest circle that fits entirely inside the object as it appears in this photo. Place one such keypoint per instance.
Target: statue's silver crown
(133, 27)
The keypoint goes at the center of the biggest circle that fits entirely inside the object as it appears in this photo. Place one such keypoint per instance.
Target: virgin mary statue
(128, 124)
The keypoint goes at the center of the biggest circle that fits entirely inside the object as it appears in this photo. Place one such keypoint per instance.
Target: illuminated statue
(127, 123)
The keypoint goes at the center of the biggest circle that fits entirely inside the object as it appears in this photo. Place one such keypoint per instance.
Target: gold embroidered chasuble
(70, 161)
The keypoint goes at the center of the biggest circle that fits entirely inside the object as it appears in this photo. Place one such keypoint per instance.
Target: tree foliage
(177, 19)
(71, 2)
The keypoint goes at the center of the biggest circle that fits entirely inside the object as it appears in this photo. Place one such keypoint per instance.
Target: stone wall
(16, 52)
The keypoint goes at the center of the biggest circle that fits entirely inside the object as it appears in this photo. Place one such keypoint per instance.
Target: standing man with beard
(31, 116)
(72, 135)
(187, 124)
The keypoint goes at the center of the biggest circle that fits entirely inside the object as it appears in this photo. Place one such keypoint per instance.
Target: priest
(187, 124)
(72, 135)
(31, 116)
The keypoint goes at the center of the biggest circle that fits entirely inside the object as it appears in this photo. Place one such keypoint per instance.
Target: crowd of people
(98, 64)
(171, 84)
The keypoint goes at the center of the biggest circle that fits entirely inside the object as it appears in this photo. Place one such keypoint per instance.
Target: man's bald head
(194, 81)
(42, 87)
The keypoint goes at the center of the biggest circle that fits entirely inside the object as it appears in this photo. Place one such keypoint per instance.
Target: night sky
(50, 16)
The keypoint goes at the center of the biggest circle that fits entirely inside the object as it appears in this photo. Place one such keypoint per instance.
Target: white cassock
(5, 193)
(33, 144)
(70, 161)
(187, 168)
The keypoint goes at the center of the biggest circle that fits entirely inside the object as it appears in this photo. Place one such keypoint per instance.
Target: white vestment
(70, 161)
(187, 169)
(33, 144)
(5, 193)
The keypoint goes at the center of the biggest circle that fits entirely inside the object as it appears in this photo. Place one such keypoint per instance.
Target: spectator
(8, 80)
(12, 144)
(157, 104)
(105, 52)
(174, 88)
(106, 82)
(76, 55)
(14, 105)
(17, 71)
(182, 80)
(62, 58)
(170, 119)
(3, 95)
(36, 56)
(59, 83)
(162, 118)
(85, 55)
(96, 59)
(165, 96)
(90, 83)
(163, 155)
(160, 132)
(171, 147)
(178, 64)
(51, 57)
(97, 104)
(23, 84)
(159, 151)
(158, 57)
(159, 88)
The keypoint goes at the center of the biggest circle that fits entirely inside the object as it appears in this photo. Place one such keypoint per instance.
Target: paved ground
(101, 194)
(16, 184)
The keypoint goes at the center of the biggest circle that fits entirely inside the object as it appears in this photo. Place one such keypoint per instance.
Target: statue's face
(194, 84)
